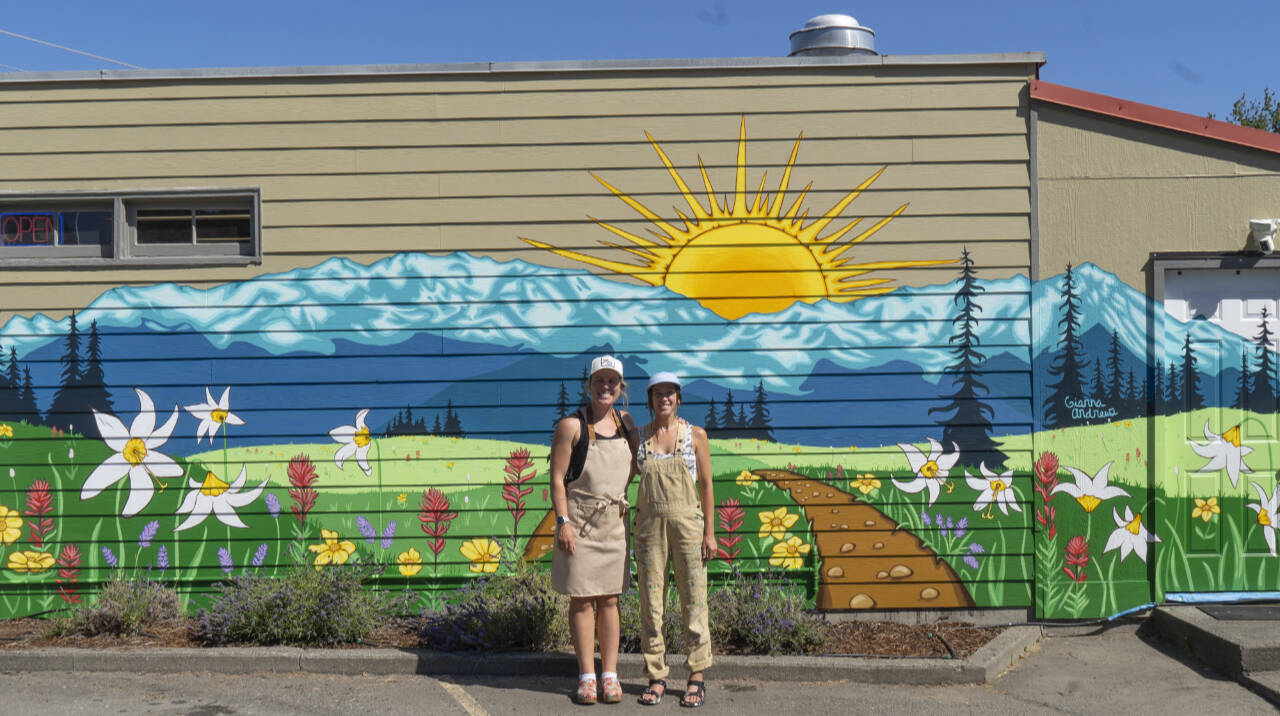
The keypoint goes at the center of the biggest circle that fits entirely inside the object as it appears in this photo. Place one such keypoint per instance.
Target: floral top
(685, 448)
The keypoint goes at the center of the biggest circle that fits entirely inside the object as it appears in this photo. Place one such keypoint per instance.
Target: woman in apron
(674, 498)
(590, 560)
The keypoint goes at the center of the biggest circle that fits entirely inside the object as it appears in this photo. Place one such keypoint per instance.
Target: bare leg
(609, 628)
(582, 632)
(695, 676)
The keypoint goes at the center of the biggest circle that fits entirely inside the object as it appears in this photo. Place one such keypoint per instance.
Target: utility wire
(68, 49)
(11, 67)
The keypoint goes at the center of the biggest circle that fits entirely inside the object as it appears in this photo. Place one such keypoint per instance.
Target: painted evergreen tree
(758, 423)
(27, 409)
(711, 422)
(1173, 391)
(435, 429)
(1135, 398)
(67, 410)
(93, 380)
(583, 397)
(1191, 397)
(562, 403)
(969, 425)
(1116, 391)
(742, 419)
(1262, 395)
(728, 419)
(1066, 365)
(9, 387)
(1157, 395)
(1099, 384)
(1242, 385)
(452, 423)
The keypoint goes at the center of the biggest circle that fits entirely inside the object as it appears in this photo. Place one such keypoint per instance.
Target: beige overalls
(669, 520)
(598, 511)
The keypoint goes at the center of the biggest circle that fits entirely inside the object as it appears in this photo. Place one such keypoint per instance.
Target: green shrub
(303, 607)
(762, 615)
(513, 612)
(123, 607)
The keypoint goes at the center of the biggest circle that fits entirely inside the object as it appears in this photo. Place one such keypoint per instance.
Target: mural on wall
(878, 443)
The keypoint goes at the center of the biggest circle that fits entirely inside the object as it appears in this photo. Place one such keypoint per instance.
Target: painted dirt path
(868, 561)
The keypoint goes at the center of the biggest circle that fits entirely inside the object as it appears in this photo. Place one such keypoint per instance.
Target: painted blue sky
(1174, 53)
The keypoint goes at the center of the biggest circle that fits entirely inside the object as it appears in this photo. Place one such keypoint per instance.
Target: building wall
(1135, 402)
(458, 243)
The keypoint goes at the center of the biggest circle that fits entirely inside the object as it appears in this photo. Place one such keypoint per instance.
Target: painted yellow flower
(410, 562)
(30, 562)
(1206, 509)
(332, 551)
(775, 523)
(402, 497)
(746, 478)
(789, 554)
(483, 553)
(866, 483)
(10, 525)
(6, 430)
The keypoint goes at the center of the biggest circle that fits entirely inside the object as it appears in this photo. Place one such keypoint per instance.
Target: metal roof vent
(833, 35)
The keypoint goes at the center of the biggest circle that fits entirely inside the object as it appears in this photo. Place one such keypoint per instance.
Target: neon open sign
(29, 229)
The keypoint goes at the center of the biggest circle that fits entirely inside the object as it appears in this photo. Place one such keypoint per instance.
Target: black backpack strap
(578, 458)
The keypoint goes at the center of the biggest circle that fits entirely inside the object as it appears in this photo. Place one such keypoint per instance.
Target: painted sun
(749, 254)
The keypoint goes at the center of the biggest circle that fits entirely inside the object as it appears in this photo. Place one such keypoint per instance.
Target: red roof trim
(1155, 116)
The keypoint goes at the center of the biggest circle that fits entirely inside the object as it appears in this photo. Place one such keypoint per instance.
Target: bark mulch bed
(857, 638)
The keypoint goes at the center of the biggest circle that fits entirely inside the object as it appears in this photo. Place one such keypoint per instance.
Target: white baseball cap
(664, 376)
(605, 363)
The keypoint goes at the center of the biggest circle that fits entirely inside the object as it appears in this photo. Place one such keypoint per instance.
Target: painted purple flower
(162, 558)
(366, 529)
(961, 527)
(977, 548)
(924, 517)
(273, 505)
(388, 534)
(224, 559)
(148, 533)
(109, 557)
(971, 561)
(260, 556)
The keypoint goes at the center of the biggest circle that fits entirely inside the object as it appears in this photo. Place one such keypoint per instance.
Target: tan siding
(1112, 192)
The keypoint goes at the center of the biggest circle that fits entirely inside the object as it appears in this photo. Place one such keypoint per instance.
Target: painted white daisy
(1223, 451)
(1267, 507)
(1130, 535)
(213, 416)
(931, 472)
(214, 495)
(1090, 491)
(355, 440)
(135, 455)
(997, 491)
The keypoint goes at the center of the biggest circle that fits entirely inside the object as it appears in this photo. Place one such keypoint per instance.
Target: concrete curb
(986, 664)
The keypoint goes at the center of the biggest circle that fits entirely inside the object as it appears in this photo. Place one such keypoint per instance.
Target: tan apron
(598, 511)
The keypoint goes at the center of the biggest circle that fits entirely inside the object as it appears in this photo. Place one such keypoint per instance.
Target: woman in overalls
(674, 498)
(590, 560)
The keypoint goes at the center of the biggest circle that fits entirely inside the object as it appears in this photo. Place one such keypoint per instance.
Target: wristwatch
(561, 520)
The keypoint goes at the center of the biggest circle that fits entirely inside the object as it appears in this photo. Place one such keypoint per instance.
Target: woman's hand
(566, 535)
(709, 547)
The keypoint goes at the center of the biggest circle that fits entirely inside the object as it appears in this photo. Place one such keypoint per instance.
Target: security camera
(1262, 234)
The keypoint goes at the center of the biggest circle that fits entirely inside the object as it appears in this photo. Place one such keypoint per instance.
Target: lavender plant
(123, 607)
(303, 607)
(510, 612)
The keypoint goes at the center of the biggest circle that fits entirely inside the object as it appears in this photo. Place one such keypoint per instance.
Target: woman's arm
(702, 457)
(567, 433)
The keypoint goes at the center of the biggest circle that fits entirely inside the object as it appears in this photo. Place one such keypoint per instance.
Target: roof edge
(1155, 116)
(1004, 58)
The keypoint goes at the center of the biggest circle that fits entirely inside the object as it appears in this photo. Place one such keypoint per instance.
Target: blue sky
(1189, 56)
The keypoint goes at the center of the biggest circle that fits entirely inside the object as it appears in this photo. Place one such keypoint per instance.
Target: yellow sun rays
(749, 254)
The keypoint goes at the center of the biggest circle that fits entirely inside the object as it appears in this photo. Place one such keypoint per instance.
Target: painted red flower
(435, 518)
(68, 574)
(302, 474)
(39, 503)
(729, 516)
(1076, 554)
(518, 471)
